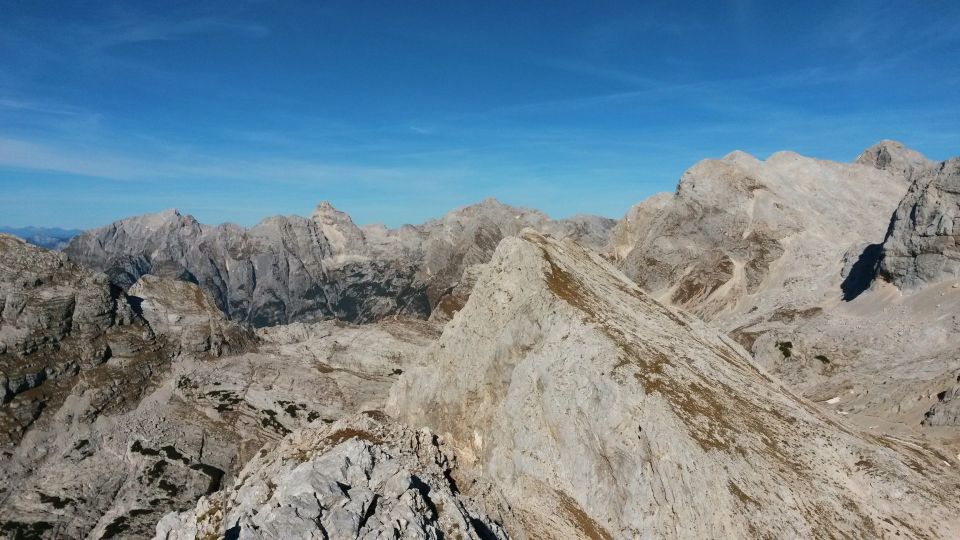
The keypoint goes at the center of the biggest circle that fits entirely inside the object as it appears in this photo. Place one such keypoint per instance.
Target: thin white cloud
(24, 154)
(594, 70)
(71, 159)
(14, 104)
(140, 30)
(421, 130)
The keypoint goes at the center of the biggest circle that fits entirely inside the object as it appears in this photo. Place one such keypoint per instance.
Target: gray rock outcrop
(946, 412)
(181, 311)
(74, 348)
(921, 246)
(742, 239)
(599, 412)
(57, 321)
(773, 252)
(814, 314)
(288, 269)
(357, 478)
(456, 296)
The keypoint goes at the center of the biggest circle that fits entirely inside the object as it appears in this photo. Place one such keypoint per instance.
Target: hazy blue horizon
(235, 111)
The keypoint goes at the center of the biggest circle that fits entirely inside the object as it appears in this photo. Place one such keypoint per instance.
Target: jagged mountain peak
(163, 217)
(491, 207)
(292, 268)
(490, 201)
(151, 223)
(326, 209)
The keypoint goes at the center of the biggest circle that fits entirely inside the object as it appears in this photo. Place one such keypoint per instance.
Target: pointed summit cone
(893, 156)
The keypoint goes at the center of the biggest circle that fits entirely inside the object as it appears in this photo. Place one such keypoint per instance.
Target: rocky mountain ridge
(119, 408)
(601, 413)
(547, 396)
(289, 268)
(357, 478)
(57, 321)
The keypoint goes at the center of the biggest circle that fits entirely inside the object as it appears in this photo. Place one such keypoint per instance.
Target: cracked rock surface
(921, 247)
(356, 478)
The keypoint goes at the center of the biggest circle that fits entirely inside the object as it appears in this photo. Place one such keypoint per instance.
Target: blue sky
(399, 111)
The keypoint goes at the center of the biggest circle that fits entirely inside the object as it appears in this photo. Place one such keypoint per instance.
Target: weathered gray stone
(140, 436)
(181, 311)
(921, 246)
(946, 412)
(357, 478)
(741, 239)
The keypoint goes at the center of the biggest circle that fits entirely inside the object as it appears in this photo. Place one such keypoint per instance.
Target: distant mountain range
(769, 351)
(49, 238)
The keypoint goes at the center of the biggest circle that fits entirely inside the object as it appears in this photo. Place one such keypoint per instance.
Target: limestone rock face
(45, 298)
(57, 320)
(74, 350)
(288, 269)
(181, 311)
(283, 269)
(803, 296)
(921, 246)
(946, 412)
(602, 413)
(742, 239)
(357, 478)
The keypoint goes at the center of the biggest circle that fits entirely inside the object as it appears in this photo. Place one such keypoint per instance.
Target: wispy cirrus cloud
(25, 154)
(140, 29)
(92, 44)
(102, 163)
(391, 110)
(14, 104)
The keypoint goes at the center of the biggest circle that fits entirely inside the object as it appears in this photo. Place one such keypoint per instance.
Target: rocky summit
(770, 351)
(806, 264)
(742, 237)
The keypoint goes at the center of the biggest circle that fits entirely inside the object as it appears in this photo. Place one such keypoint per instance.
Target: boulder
(357, 478)
(921, 246)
